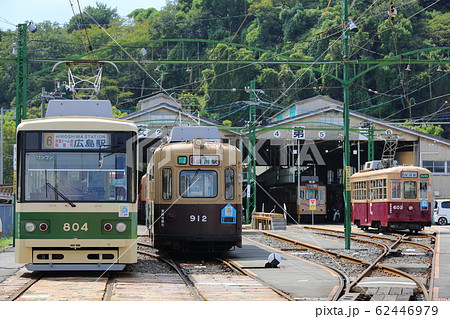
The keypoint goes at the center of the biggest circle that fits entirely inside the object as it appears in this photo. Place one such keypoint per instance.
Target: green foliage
(431, 129)
(101, 14)
(227, 123)
(296, 29)
(5, 241)
(439, 28)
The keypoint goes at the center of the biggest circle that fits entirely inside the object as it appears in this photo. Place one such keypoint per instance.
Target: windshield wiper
(53, 188)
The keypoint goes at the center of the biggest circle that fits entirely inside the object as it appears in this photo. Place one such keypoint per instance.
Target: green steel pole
(347, 170)
(22, 74)
(251, 165)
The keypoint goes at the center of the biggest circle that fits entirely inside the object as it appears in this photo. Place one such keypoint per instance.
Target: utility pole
(251, 164)
(347, 168)
(371, 144)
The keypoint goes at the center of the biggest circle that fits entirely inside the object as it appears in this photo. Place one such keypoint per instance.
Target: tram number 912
(75, 227)
(198, 218)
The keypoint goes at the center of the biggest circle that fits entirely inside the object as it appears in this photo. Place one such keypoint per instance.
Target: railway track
(377, 264)
(220, 279)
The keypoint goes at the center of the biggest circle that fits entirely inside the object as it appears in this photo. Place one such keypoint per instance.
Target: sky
(13, 12)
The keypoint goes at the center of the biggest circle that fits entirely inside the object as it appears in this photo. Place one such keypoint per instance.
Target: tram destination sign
(67, 141)
(204, 160)
(407, 174)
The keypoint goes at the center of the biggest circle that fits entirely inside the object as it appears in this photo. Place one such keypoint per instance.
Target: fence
(6, 216)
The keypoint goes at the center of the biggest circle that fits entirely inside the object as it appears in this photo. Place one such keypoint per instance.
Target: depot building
(306, 140)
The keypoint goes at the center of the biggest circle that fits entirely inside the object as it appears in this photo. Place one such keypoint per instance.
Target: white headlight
(121, 227)
(30, 227)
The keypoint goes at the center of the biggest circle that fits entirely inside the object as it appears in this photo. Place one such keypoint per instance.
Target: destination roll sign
(204, 160)
(60, 140)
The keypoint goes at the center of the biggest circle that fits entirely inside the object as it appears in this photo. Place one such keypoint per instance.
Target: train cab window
(167, 183)
(198, 184)
(229, 183)
(423, 189)
(410, 189)
(396, 190)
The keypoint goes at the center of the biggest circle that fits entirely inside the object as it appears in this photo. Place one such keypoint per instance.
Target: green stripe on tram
(80, 225)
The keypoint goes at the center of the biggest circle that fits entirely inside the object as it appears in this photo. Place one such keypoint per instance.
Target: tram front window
(75, 176)
(310, 194)
(410, 189)
(198, 184)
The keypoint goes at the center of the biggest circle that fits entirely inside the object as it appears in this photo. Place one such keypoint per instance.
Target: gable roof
(309, 105)
(363, 117)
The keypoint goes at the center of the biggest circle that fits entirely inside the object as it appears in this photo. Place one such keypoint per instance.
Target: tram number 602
(198, 218)
(75, 227)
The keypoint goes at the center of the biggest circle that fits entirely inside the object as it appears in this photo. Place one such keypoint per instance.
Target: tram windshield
(198, 183)
(75, 176)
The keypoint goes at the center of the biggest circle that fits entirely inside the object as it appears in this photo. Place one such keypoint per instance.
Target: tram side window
(396, 190)
(167, 183)
(378, 189)
(229, 183)
(423, 190)
(410, 189)
(321, 194)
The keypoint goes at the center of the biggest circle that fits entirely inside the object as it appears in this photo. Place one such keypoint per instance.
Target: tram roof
(390, 170)
(76, 123)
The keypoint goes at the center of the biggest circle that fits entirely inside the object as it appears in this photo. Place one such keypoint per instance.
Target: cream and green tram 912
(76, 206)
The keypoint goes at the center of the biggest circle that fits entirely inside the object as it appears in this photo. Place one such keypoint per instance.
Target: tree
(100, 14)
(431, 129)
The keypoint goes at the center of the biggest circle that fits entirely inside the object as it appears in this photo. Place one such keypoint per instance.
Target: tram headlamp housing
(30, 227)
(199, 142)
(43, 227)
(121, 227)
(107, 226)
(410, 207)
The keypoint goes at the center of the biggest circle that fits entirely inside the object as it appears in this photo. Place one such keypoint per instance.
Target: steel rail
(24, 288)
(233, 265)
(109, 287)
(315, 248)
(197, 295)
(371, 266)
(353, 234)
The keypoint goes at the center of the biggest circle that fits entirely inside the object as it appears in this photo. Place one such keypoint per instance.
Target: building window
(437, 166)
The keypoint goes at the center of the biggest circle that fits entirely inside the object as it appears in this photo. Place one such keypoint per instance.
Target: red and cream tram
(393, 198)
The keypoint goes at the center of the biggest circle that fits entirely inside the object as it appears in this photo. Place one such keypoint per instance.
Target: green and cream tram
(76, 189)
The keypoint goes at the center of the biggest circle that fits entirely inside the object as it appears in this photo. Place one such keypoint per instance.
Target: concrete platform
(8, 265)
(442, 267)
(300, 279)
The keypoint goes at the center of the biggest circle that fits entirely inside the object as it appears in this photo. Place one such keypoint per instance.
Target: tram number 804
(198, 218)
(75, 227)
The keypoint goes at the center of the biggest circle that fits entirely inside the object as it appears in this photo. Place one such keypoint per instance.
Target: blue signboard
(228, 215)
